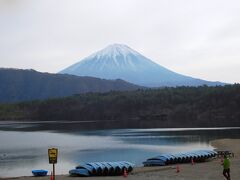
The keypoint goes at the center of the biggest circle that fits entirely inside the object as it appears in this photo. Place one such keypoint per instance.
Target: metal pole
(53, 171)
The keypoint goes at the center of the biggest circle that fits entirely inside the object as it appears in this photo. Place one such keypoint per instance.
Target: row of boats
(193, 156)
(102, 169)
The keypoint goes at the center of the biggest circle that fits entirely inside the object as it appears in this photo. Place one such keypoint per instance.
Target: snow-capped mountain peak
(114, 56)
(118, 61)
(116, 50)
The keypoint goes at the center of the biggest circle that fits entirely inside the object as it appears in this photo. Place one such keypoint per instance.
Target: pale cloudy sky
(200, 38)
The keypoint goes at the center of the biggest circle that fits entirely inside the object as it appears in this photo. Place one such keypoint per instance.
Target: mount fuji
(119, 61)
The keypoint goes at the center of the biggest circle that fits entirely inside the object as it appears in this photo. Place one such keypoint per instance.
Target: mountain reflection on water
(22, 150)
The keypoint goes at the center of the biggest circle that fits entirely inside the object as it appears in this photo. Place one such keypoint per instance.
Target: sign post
(52, 155)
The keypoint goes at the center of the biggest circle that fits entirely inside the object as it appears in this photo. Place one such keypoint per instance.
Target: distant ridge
(119, 61)
(23, 85)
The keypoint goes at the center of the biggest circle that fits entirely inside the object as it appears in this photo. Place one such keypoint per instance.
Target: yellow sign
(52, 155)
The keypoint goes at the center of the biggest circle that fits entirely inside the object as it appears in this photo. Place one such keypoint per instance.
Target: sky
(192, 37)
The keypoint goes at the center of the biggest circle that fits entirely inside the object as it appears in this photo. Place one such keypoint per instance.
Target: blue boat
(156, 162)
(96, 167)
(90, 169)
(117, 169)
(39, 172)
(126, 166)
(108, 170)
(79, 172)
(104, 169)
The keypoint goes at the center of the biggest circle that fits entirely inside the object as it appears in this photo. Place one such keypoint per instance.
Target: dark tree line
(167, 107)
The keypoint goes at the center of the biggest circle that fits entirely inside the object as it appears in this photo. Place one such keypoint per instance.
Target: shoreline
(205, 170)
(73, 126)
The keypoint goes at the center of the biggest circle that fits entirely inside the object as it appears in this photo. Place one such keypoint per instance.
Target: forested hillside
(21, 85)
(168, 107)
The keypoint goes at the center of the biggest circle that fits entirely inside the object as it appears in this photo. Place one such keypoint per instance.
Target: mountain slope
(121, 62)
(21, 85)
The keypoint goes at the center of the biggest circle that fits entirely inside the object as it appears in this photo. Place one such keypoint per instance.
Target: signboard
(52, 155)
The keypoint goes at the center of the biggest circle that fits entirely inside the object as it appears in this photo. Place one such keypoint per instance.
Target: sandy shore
(211, 170)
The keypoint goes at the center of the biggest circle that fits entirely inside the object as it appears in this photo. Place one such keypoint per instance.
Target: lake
(22, 149)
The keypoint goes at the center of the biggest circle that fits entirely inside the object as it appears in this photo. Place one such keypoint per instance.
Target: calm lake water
(21, 151)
